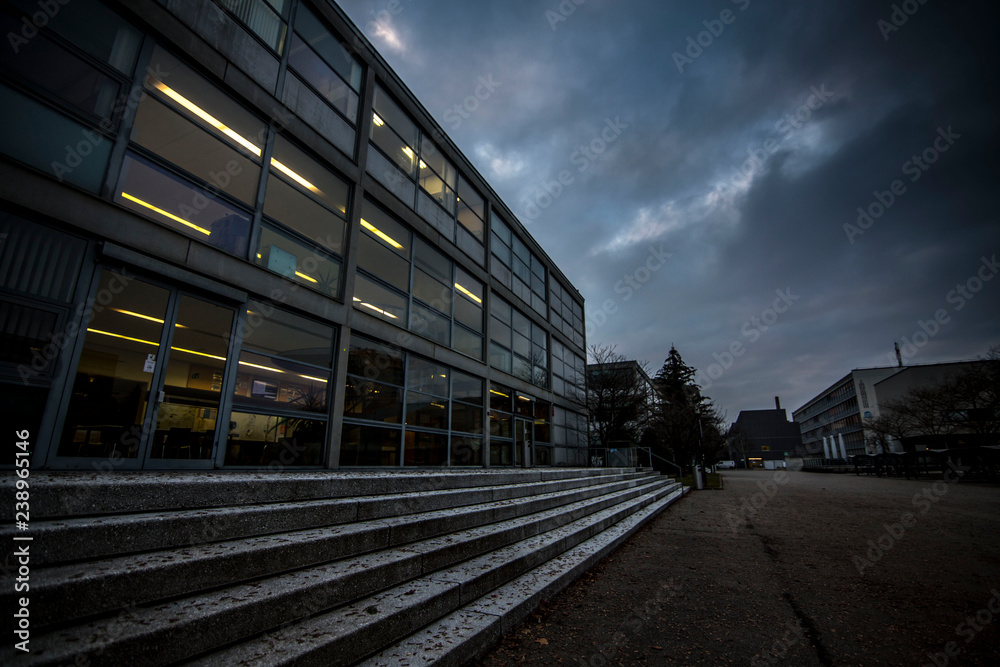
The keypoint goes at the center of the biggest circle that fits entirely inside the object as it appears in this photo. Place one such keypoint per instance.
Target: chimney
(777, 403)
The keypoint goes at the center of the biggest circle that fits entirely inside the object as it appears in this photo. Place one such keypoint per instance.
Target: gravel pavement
(788, 568)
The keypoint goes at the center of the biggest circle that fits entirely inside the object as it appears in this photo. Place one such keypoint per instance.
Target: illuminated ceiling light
(263, 368)
(378, 121)
(258, 257)
(200, 354)
(295, 177)
(408, 151)
(207, 117)
(166, 214)
(139, 315)
(114, 335)
(468, 293)
(499, 393)
(379, 233)
(305, 277)
(376, 309)
(423, 165)
(523, 398)
(309, 377)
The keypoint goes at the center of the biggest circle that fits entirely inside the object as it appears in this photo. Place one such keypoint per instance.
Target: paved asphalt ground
(823, 572)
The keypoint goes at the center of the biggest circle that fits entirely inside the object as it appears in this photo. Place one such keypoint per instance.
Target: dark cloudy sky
(673, 172)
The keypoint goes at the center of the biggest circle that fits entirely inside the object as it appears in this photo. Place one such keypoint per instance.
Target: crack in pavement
(809, 628)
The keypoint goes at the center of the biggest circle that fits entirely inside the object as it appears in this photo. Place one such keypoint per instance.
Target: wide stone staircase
(374, 568)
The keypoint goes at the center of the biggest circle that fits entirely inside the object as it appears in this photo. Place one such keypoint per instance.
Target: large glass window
(568, 372)
(471, 209)
(282, 387)
(324, 63)
(300, 262)
(75, 65)
(394, 133)
(111, 390)
(265, 18)
(566, 314)
(421, 160)
(404, 408)
(518, 345)
(173, 201)
(405, 281)
(525, 272)
(214, 144)
(310, 203)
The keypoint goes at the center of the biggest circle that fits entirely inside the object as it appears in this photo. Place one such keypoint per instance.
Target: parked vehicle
(725, 465)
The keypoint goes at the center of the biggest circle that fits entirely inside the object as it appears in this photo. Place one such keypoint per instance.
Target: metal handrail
(649, 451)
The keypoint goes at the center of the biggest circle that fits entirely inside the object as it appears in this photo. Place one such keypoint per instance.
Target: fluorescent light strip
(305, 277)
(468, 293)
(377, 310)
(139, 315)
(378, 121)
(499, 393)
(379, 233)
(114, 335)
(263, 368)
(166, 214)
(200, 354)
(295, 177)
(309, 377)
(205, 116)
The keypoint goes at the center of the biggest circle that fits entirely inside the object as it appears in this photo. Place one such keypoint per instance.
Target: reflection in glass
(42, 136)
(466, 451)
(277, 332)
(329, 48)
(303, 215)
(321, 77)
(273, 441)
(260, 18)
(374, 361)
(54, 69)
(269, 383)
(94, 28)
(298, 262)
(373, 299)
(425, 449)
(111, 388)
(373, 401)
(426, 411)
(369, 446)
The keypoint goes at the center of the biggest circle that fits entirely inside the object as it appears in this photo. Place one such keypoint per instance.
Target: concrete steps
(346, 577)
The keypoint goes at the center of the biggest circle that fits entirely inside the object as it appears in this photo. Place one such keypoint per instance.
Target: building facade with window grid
(232, 238)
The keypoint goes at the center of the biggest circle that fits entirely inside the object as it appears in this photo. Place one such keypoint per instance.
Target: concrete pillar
(826, 449)
(843, 447)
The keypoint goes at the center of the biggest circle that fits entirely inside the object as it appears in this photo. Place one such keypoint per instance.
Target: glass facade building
(230, 237)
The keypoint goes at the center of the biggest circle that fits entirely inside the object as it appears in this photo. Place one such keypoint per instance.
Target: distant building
(831, 423)
(623, 393)
(899, 384)
(763, 435)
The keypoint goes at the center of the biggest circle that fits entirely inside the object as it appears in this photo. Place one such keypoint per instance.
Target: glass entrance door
(524, 450)
(149, 383)
(187, 409)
